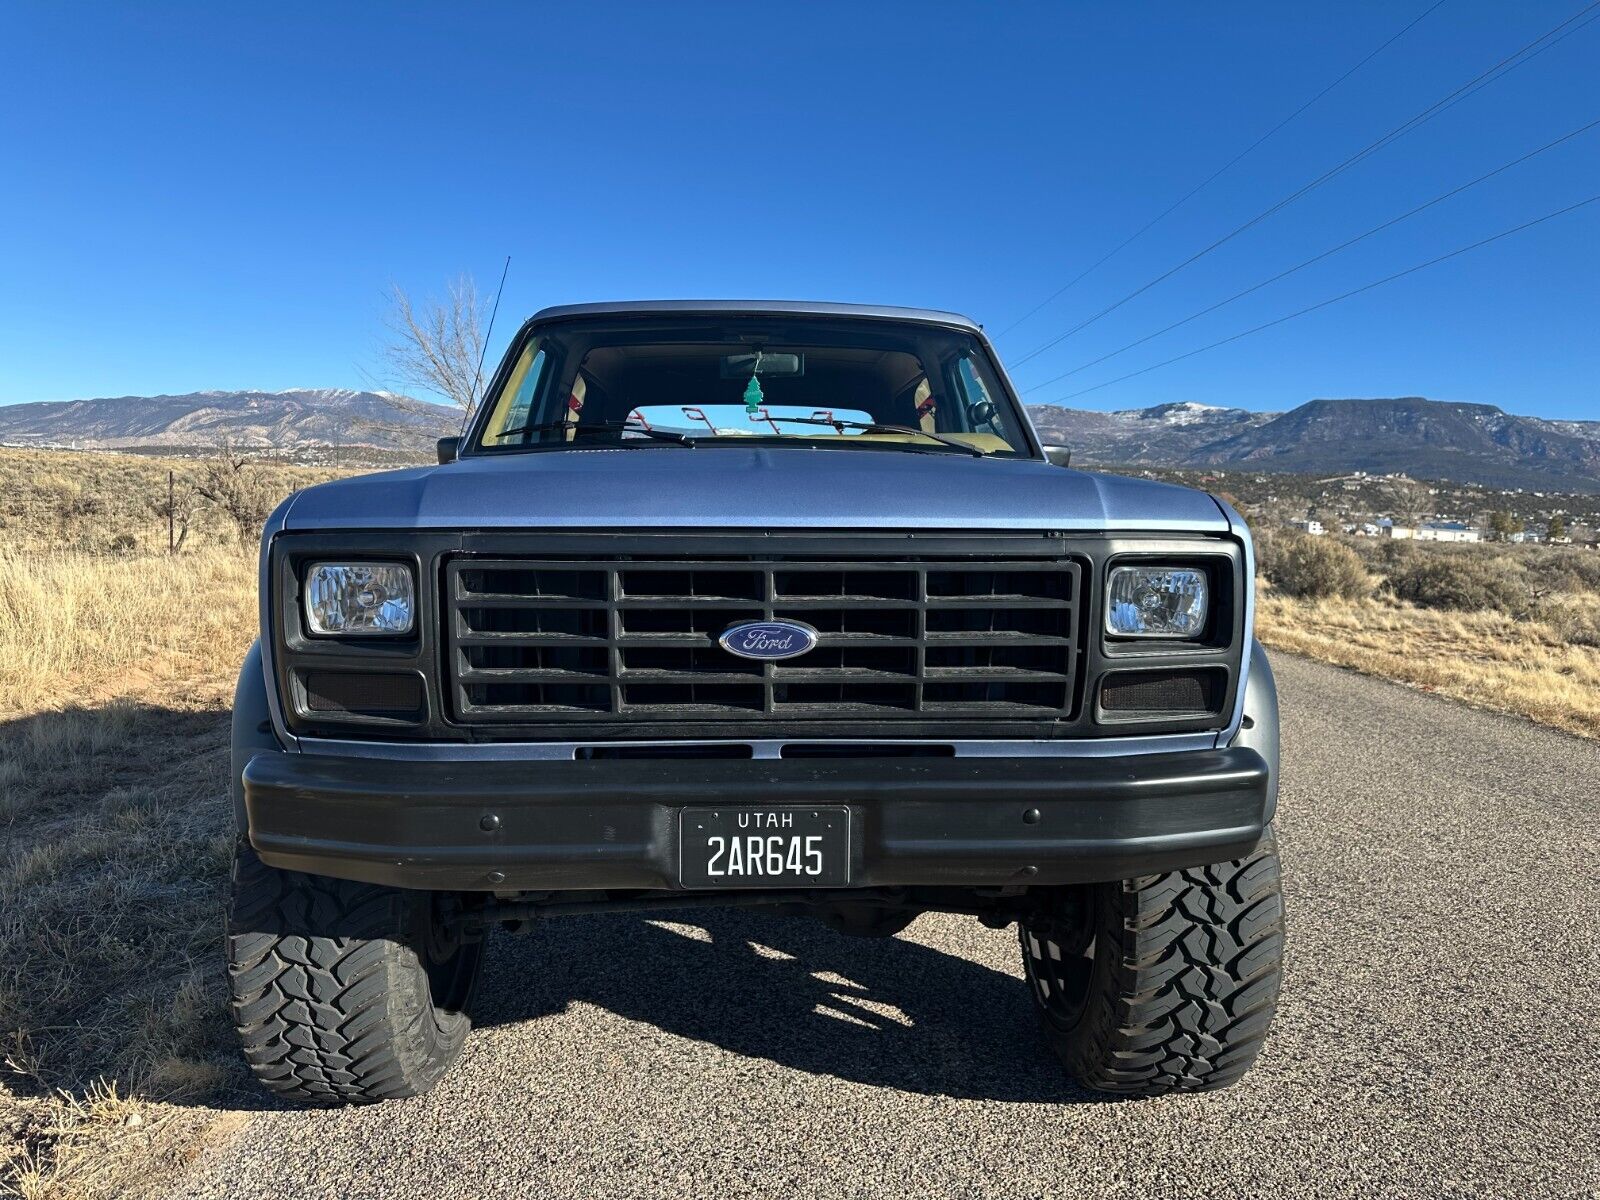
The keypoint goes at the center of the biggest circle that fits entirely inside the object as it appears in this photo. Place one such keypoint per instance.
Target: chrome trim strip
(275, 524)
(1240, 530)
(763, 748)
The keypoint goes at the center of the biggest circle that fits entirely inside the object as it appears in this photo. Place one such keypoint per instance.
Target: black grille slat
(629, 638)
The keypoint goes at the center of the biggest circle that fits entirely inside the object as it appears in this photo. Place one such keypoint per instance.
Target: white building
(1447, 531)
(1308, 526)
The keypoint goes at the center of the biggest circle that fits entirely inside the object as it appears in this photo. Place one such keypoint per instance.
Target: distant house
(1308, 526)
(1448, 531)
(1400, 533)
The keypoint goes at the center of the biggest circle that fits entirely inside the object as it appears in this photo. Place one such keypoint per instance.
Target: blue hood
(736, 487)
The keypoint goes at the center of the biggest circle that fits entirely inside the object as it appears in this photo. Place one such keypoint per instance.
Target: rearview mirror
(742, 366)
(447, 449)
(1061, 456)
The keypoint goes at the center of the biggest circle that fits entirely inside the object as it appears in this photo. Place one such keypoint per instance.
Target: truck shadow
(886, 1012)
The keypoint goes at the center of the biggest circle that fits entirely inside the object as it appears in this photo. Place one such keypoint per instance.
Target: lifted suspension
(995, 907)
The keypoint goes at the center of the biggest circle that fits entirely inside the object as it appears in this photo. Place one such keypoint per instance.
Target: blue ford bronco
(775, 604)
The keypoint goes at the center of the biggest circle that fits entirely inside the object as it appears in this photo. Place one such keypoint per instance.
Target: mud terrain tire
(1161, 983)
(343, 992)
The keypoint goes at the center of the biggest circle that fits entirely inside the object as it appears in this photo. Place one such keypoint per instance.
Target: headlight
(1167, 602)
(362, 597)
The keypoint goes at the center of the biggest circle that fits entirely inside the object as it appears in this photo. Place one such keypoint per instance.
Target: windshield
(860, 385)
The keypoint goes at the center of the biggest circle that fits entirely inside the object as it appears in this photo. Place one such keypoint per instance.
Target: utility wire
(1456, 191)
(1504, 67)
(1334, 300)
(1209, 179)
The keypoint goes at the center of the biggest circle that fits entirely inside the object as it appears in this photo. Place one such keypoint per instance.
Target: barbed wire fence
(163, 509)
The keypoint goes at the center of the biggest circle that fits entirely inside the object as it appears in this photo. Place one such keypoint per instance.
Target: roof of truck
(810, 308)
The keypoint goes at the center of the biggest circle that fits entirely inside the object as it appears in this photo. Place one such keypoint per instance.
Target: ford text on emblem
(768, 639)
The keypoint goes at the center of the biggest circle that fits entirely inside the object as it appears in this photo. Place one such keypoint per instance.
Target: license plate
(764, 847)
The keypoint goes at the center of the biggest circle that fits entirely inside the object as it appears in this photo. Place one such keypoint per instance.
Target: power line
(1334, 300)
(1455, 191)
(1209, 179)
(1500, 69)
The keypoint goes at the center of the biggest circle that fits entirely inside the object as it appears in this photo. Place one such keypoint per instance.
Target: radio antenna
(488, 333)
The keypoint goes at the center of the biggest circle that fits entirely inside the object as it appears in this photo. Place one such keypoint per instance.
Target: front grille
(532, 641)
(1146, 693)
(366, 694)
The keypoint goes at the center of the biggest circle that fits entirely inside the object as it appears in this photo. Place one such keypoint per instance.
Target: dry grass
(118, 625)
(114, 845)
(1488, 659)
(115, 680)
(101, 503)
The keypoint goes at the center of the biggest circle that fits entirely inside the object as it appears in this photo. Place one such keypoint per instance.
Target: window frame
(731, 326)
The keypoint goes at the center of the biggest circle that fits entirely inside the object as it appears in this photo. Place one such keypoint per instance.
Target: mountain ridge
(292, 419)
(1433, 439)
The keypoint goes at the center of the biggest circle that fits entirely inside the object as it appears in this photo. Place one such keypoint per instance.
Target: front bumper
(613, 824)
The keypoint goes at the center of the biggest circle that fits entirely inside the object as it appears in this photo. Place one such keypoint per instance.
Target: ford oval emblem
(768, 639)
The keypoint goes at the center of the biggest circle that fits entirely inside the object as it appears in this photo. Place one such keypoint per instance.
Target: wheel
(344, 992)
(1162, 983)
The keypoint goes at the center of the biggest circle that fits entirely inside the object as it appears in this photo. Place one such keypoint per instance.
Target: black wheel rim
(452, 965)
(1058, 954)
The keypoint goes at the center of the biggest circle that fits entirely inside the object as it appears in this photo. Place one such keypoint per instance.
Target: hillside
(1432, 439)
(295, 420)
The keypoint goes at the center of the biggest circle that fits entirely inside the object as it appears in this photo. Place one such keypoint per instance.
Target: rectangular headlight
(360, 598)
(1166, 602)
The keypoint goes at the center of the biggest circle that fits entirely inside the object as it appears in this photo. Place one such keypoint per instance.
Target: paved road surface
(1439, 1032)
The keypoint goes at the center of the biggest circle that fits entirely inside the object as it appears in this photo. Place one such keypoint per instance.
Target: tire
(1162, 983)
(343, 993)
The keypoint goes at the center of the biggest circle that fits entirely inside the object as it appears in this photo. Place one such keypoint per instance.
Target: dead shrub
(241, 487)
(1315, 568)
(1574, 619)
(1466, 582)
(1563, 569)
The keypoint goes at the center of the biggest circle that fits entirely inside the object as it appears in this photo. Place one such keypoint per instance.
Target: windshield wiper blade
(875, 427)
(660, 435)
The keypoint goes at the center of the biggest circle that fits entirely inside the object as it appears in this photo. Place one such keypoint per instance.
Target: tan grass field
(115, 683)
(116, 677)
(1487, 659)
(116, 674)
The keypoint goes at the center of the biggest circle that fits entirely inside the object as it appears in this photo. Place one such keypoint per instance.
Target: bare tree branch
(435, 346)
(241, 488)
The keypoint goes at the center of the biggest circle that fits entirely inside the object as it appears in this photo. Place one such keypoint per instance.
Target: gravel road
(1439, 1032)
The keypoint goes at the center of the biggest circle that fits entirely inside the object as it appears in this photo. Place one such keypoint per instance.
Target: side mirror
(1061, 456)
(447, 448)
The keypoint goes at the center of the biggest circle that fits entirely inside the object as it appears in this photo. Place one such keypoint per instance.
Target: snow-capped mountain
(286, 420)
(1436, 439)
(1468, 443)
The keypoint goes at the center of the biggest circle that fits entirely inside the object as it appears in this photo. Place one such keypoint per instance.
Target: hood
(760, 488)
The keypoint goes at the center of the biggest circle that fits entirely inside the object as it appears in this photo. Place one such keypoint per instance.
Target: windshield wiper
(874, 427)
(660, 435)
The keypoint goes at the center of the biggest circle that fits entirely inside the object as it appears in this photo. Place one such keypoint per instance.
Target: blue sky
(202, 197)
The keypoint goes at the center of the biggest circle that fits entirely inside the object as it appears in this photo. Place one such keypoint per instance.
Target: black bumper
(963, 822)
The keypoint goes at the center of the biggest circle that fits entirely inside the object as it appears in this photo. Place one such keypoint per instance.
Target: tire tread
(328, 995)
(1187, 980)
